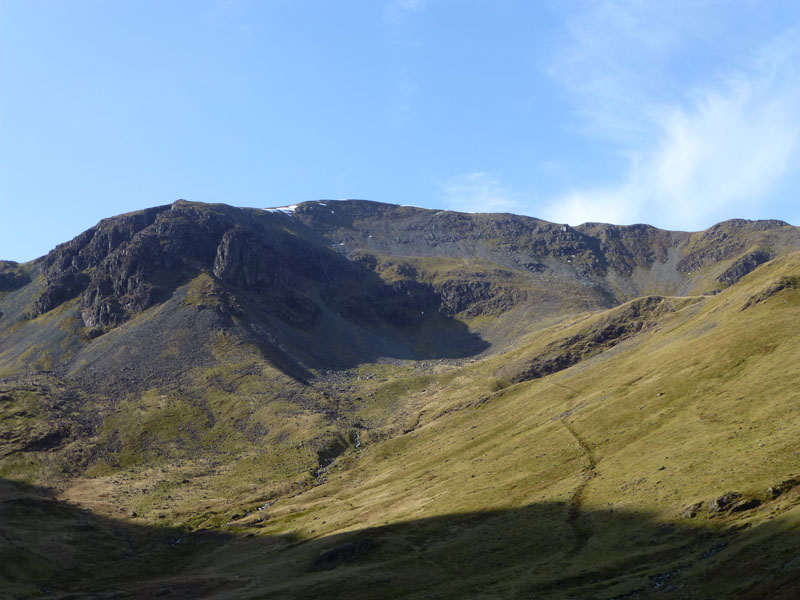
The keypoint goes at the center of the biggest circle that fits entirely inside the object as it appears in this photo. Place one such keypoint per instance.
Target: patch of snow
(287, 210)
(333, 213)
(322, 204)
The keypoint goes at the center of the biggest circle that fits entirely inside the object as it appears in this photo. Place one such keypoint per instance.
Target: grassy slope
(547, 488)
(709, 397)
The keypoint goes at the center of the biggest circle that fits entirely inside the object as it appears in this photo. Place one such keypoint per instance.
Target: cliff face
(592, 254)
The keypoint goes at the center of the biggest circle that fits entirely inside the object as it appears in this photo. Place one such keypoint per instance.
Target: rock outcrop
(12, 276)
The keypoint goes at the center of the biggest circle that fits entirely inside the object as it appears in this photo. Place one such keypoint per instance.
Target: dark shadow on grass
(55, 549)
(49, 548)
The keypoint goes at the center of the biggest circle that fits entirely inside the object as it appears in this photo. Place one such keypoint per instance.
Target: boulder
(723, 502)
(744, 504)
(691, 511)
(784, 486)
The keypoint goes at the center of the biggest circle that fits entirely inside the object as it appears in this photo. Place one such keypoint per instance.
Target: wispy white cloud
(713, 159)
(397, 12)
(611, 56)
(405, 92)
(695, 156)
(479, 192)
(397, 16)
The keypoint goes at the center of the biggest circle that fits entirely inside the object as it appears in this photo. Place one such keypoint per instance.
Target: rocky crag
(381, 269)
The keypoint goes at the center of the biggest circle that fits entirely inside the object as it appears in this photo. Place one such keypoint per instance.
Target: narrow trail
(586, 450)
(581, 532)
(563, 387)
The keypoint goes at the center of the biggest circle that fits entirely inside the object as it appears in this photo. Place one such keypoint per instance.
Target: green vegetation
(585, 474)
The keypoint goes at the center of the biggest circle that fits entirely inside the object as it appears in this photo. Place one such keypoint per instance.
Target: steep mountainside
(354, 399)
(367, 274)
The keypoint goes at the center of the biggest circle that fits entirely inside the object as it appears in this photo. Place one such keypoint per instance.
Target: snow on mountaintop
(284, 209)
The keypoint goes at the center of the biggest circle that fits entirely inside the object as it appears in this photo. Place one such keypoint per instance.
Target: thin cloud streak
(397, 12)
(612, 62)
(479, 192)
(397, 17)
(402, 104)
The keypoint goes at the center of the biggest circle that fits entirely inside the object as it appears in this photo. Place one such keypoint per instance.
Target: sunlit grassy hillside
(578, 483)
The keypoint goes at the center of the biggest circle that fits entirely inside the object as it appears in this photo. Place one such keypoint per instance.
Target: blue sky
(675, 113)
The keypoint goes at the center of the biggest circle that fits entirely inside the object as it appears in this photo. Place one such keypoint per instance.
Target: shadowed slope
(56, 549)
(264, 278)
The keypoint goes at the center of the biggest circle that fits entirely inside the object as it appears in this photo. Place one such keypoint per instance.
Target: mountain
(355, 399)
